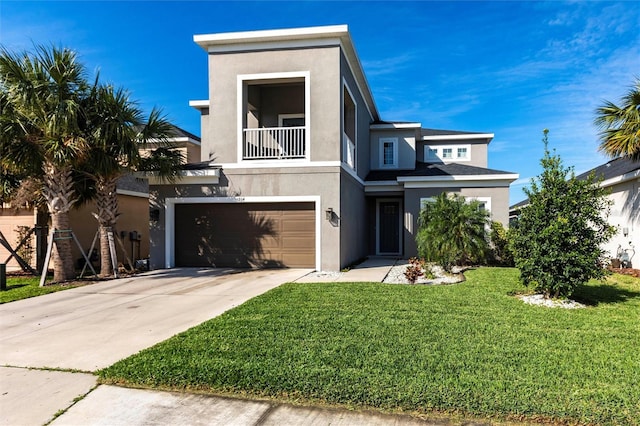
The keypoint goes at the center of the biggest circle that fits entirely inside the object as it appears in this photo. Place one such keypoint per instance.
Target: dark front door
(389, 227)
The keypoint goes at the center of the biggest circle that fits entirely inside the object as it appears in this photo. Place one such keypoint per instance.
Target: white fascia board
(174, 140)
(273, 45)
(205, 40)
(395, 126)
(208, 176)
(270, 164)
(458, 137)
(462, 178)
(620, 179)
(132, 193)
(199, 104)
(458, 184)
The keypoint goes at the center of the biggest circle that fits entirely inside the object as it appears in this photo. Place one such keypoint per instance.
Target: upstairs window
(446, 153)
(389, 153)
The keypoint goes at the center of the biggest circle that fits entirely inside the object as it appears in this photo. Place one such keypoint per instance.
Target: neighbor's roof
(618, 167)
(612, 172)
(434, 170)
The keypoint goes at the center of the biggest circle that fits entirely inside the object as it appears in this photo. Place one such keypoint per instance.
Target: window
(447, 153)
(389, 153)
(290, 120)
(432, 154)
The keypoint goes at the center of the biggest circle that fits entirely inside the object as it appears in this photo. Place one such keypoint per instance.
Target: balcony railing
(274, 143)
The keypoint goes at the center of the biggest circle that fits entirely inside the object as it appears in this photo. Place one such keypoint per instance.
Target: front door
(389, 227)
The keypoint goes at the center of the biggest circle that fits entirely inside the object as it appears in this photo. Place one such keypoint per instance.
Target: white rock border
(540, 300)
(396, 276)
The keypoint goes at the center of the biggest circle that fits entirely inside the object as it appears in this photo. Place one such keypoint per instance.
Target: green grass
(23, 287)
(469, 348)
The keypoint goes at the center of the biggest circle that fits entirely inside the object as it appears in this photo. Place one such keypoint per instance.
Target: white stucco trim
(386, 126)
(458, 184)
(277, 164)
(396, 160)
(271, 35)
(241, 78)
(207, 176)
(170, 203)
(132, 193)
(496, 177)
(199, 104)
(458, 137)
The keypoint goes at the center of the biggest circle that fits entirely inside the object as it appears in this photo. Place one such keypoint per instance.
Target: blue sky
(509, 68)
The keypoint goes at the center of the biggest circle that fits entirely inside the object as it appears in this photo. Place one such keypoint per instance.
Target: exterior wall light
(329, 213)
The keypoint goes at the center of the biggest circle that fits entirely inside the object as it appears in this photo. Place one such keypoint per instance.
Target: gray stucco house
(297, 167)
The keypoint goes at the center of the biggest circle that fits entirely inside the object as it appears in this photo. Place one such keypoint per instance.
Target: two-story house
(299, 170)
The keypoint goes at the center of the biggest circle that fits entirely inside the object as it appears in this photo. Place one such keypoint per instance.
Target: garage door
(245, 235)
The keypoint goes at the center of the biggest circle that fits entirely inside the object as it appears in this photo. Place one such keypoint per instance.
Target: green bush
(452, 232)
(556, 239)
(500, 244)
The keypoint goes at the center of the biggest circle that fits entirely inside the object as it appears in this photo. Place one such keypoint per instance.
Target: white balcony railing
(274, 143)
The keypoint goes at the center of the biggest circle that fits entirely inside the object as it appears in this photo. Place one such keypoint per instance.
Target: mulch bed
(626, 271)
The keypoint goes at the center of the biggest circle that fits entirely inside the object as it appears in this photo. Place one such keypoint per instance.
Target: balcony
(274, 143)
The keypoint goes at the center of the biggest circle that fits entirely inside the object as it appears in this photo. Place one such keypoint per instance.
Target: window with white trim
(388, 153)
(446, 153)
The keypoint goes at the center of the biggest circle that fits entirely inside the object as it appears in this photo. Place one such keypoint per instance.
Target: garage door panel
(245, 234)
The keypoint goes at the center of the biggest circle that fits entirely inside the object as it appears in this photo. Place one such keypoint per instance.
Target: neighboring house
(621, 177)
(299, 170)
(133, 203)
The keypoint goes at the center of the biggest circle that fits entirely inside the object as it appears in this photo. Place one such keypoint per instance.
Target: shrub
(556, 239)
(452, 232)
(500, 244)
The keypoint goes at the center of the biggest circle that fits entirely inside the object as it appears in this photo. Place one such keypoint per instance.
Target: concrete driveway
(91, 327)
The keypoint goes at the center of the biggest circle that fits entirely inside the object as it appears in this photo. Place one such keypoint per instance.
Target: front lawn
(23, 287)
(469, 348)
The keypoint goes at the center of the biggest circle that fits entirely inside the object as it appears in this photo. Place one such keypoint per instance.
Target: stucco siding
(221, 136)
(625, 213)
(353, 221)
(406, 147)
(323, 182)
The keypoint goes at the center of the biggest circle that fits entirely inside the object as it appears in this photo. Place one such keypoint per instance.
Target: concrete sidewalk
(116, 406)
(373, 269)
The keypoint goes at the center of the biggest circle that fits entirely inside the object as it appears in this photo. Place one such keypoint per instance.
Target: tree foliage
(620, 125)
(499, 237)
(557, 238)
(40, 131)
(452, 231)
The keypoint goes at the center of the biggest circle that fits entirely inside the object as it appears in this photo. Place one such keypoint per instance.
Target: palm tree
(452, 231)
(117, 131)
(620, 125)
(40, 132)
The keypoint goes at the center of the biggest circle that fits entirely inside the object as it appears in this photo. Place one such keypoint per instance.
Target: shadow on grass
(593, 295)
(15, 286)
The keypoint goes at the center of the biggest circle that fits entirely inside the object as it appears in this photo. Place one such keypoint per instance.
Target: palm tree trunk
(59, 194)
(107, 206)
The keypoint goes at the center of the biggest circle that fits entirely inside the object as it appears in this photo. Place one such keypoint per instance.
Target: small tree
(452, 231)
(557, 237)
